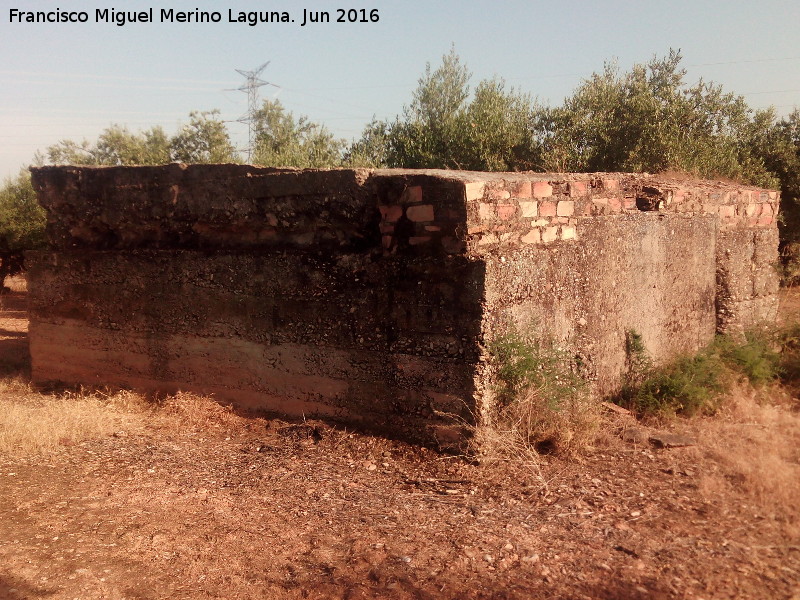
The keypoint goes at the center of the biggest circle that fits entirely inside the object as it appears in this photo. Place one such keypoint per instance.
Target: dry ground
(113, 497)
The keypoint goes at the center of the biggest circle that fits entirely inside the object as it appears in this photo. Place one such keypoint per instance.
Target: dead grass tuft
(200, 412)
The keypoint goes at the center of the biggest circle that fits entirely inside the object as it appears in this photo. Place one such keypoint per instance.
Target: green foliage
(649, 120)
(443, 128)
(542, 402)
(688, 386)
(115, 146)
(780, 149)
(789, 339)
(757, 357)
(22, 223)
(283, 141)
(204, 140)
(371, 150)
(695, 384)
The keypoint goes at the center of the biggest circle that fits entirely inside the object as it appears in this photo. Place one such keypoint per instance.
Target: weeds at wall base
(699, 383)
(541, 403)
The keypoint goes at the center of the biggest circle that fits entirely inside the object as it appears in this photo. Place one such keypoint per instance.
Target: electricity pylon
(250, 86)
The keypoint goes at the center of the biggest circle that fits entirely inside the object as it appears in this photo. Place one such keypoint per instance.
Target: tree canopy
(283, 141)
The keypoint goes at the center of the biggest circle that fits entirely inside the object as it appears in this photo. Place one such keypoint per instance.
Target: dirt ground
(192, 501)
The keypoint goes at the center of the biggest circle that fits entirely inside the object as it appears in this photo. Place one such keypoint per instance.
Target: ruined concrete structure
(369, 296)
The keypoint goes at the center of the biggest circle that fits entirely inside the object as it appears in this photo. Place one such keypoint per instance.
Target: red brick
(727, 211)
(506, 211)
(565, 208)
(423, 212)
(542, 189)
(387, 241)
(412, 194)
(486, 211)
(391, 213)
(547, 209)
(578, 188)
(615, 204)
(765, 220)
(523, 189)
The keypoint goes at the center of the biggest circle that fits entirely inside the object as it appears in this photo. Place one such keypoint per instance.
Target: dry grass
(754, 448)
(31, 422)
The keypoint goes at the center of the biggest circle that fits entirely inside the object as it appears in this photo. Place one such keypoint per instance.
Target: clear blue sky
(71, 80)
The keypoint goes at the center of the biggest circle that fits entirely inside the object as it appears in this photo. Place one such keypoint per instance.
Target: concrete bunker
(369, 296)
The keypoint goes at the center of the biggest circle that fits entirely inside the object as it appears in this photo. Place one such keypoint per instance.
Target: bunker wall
(371, 296)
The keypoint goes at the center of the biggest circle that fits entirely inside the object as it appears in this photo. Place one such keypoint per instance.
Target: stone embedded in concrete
(388, 213)
(578, 188)
(498, 194)
(422, 212)
(523, 189)
(486, 211)
(412, 194)
(549, 234)
(314, 293)
(568, 232)
(534, 236)
(419, 239)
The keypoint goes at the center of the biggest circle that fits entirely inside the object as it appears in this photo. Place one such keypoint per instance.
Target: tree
(444, 128)
(649, 120)
(116, 146)
(22, 223)
(371, 150)
(204, 140)
(497, 129)
(428, 134)
(282, 141)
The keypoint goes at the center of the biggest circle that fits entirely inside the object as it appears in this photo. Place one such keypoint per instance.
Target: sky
(72, 80)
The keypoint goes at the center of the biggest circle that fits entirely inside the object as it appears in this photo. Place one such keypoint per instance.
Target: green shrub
(696, 384)
(689, 385)
(756, 358)
(542, 402)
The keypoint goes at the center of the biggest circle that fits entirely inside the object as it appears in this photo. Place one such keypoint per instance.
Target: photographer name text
(121, 18)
